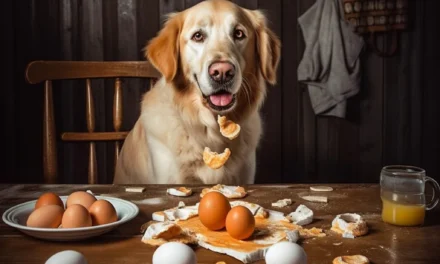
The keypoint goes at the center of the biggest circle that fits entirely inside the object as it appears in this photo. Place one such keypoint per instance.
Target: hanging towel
(330, 65)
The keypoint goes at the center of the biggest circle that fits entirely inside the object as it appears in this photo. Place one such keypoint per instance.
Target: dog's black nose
(221, 71)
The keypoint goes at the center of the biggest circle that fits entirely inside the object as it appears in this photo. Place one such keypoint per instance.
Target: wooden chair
(48, 71)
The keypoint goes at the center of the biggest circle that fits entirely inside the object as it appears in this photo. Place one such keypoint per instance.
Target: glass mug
(402, 190)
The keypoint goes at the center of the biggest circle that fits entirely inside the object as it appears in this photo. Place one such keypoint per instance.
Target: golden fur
(176, 123)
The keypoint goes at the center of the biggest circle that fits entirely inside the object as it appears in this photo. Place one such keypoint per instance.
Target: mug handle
(435, 199)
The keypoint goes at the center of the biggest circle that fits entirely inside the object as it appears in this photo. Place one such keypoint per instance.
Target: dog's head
(220, 52)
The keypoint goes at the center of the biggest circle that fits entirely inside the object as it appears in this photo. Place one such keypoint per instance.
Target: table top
(383, 244)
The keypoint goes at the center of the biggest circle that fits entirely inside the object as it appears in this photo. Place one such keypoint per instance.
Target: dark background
(394, 119)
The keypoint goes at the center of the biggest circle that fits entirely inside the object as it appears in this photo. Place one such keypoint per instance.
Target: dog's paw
(215, 160)
(228, 128)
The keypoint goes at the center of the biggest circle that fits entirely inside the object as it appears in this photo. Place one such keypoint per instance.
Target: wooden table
(384, 244)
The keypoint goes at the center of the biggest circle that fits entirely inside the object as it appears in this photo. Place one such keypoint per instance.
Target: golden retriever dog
(215, 59)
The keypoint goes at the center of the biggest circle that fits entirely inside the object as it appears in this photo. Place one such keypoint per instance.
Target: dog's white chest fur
(176, 148)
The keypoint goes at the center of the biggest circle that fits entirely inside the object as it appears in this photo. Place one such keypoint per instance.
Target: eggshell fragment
(302, 215)
(315, 198)
(282, 203)
(181, 191)
(48, 198)
(76, 215)
(174, 252)
(135, 189)
(80, 197)
(102, 212)
(321, 188)
(354, 259)
(215, 160)
(349, 225)
(48, 216)
(228, 128)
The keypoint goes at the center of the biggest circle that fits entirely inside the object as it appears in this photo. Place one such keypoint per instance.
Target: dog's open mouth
(221, 101)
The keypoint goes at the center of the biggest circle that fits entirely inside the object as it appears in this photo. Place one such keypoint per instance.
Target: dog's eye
(239, 34)
(198, 37)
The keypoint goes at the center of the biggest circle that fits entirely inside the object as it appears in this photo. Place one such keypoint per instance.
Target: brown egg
(48, 198)
(76, 215)
(80, 197)
(213, 209)
(48, 216)
(102, 212)
(240, 223)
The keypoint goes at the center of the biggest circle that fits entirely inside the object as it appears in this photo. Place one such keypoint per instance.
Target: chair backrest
(48, 71)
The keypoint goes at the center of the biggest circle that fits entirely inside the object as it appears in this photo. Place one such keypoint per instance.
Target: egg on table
(213, 209)
(80, 197)
(286, 253)
(76, 215)
(240, 222)
(67, 257)
(175, 253)
(48, 216)
(103, 212)
(47, 199)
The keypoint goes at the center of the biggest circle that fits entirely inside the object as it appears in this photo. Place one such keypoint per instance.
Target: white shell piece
(282, 203)
(313, 198)
(183, 213)
(157, 229)
(321, 188)
(302, 215)
(251, 206)
(135, 189)
(182, 192)
(293, 236)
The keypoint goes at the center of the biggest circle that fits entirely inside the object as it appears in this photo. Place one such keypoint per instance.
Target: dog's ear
(163, 50)
(268, 47)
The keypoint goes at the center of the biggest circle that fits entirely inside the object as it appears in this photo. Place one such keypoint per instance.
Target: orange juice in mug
(403, 195)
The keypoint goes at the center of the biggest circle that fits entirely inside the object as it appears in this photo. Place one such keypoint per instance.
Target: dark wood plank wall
(394, 119)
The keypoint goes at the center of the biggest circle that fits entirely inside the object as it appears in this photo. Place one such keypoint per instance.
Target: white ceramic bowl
(16, 216)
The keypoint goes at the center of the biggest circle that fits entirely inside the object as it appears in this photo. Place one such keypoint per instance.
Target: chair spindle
(49, 139)
(90, 116)
(117, 114)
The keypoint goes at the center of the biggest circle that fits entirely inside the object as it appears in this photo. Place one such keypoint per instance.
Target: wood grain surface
(384, 243)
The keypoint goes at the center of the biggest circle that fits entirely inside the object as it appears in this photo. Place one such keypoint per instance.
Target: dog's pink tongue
(221, 99)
